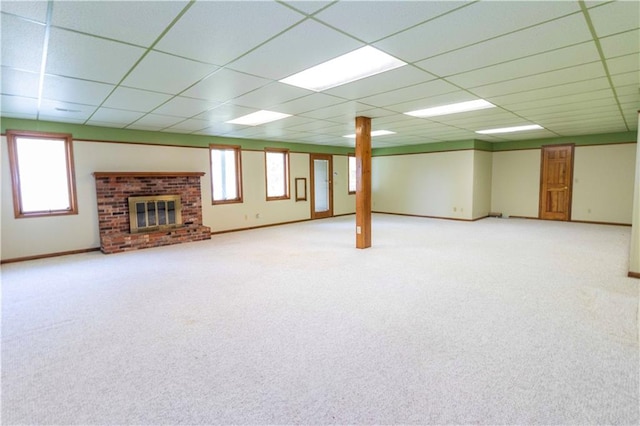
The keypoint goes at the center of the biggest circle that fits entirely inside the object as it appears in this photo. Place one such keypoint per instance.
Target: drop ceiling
(189, 67)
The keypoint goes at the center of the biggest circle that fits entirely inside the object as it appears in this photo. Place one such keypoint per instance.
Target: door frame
(312, 190)
(569, 180)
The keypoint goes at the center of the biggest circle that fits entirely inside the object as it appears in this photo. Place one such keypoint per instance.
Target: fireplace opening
(155, 212)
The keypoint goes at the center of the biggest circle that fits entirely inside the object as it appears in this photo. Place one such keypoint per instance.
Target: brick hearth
(113, 190)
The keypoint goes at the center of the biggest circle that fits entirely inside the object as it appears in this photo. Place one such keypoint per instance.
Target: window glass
(352, 174)
(226, 181)
(42, 174)
(277, 172)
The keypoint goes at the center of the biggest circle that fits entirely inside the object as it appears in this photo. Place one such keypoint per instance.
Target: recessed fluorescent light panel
(259, 117)
(510, 129)
(374, 133)
(451, 108)
(360, 63)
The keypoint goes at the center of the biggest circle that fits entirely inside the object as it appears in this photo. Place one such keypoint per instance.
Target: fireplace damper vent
(151, 213)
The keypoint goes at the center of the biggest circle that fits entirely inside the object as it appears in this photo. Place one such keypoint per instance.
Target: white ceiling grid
(188, 67)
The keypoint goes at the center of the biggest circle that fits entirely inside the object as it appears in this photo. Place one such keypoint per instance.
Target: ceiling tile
(533, 134)
(583, 90)
(224, 113)
(104, 124)
(345, 110)
(537, 64)
(575, 105)
(34, 10)
(526, 57)
(135, 100)
(166, 73)
(190, 125)
(19, 83)
(136, 22)
(542, 80)
(218, 32)
(383, 82)
(612, 115)
(114, 116)
(185, 107)
(433, 101)
(621, 44)
(308, 7)
(615, 17)
(302, 47)
(74, 90)
(418, 91)
(583, 111)
(372, 20)
(630, 89)
(476, 22)
(271, 94)
(216, 129)
(585, 130)
(623, 64)
(65, 111)
(307, 103)
(155, 121)
(76, 55)
(466, 119)
(631, 101)
(20, 36)
(311, 126)
(18, 106)
(541, 38)
(224, 85)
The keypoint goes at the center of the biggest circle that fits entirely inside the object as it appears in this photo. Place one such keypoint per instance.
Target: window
(42, 174)
(226, 174)
(277, 172)
(352, 174)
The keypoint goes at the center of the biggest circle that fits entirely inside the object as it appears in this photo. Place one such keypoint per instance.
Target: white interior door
(321, 186)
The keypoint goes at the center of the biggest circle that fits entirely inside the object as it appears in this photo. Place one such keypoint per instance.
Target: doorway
(556, 179)
(321, 186)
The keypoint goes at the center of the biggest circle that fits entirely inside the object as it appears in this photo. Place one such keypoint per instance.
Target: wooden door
(556, 177)
(321, 186)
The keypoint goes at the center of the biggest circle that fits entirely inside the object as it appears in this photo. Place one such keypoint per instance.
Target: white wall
(434, 184)
(482, 177)
(515, 185)
(602, 186)
(634, 255)
(45, 235)
(603, 183)
(343, 202)
(255, 210)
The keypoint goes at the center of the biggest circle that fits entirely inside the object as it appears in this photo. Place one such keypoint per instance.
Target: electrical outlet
(455, 209)
(257, 215)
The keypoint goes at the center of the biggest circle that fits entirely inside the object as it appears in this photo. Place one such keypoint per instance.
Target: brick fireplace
(113, 190)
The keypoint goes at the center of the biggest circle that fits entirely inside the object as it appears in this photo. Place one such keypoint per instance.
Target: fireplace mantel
(113, 189)
(147, 174)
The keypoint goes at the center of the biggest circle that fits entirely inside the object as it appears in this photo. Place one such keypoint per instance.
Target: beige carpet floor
(500, 321)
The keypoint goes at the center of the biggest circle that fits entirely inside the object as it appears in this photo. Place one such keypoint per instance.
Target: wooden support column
(363, 182)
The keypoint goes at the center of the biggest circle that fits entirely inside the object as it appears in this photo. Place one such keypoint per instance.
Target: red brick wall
(113, 191)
